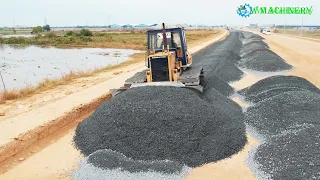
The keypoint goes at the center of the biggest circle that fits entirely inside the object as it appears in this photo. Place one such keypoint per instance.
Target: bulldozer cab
(168, 62)
(176, 43)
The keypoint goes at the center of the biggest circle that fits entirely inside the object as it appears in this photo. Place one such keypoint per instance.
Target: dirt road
(303, 54)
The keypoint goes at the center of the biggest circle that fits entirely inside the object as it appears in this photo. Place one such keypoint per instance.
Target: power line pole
(285, 23)
(301, 25)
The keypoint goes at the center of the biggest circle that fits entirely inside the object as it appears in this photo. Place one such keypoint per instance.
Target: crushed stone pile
(212, 95)
(257, 56)
(221, 58)
(212, 81)
(252, 46)
(163, 123)
(275, 114)
(263, 60)
(246, 37)
(294, 155)
(286, 114)
(227, 71)
(274, 85)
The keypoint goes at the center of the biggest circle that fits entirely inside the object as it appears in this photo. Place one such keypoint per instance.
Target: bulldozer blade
(163, 83)
(115, 92)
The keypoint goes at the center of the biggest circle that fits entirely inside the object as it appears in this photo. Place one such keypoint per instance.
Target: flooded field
(25, 66)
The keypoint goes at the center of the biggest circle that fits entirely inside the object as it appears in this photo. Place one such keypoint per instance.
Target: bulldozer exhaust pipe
(164, 35)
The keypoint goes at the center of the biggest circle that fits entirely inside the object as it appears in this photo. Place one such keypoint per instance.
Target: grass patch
(123, 40)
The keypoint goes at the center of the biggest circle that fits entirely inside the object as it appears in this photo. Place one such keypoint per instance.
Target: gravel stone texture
(275, 114)
(275, 85)
(294, 155)
(263, 60)
(246, 37)
(252, 46)
(163, 123)
(215, 82)
(212, 96)
(108, 159)
(220, 59)
(257, 56)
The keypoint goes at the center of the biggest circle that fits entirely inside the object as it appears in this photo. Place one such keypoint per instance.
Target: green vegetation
(37, 29)
(46, 28)
(70, 33)
(85, 32)
(85, 38)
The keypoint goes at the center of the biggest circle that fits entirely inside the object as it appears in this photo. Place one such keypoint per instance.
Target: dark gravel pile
(221, 58)
(274, 115)
(215, 82)
(286, 114)
(275, 85)
(107, 159)
(212, 96)
(252, 46)
(263, 60)
(246, 37)
(257, 56)
(259, 42)
(227, 71)
(292, 156)
(163, 123)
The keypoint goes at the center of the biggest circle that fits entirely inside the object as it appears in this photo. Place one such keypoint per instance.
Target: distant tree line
(39, 29)
(83, 32)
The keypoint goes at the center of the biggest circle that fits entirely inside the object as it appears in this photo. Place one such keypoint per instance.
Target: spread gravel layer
(286, 114)
(274, 115)
(275, 85)
(263, 60)
(294, 155)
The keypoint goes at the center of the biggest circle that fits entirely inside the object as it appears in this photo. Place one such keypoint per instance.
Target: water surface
(25, 66)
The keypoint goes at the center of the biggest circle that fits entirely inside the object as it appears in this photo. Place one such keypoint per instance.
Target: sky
(105, 12)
